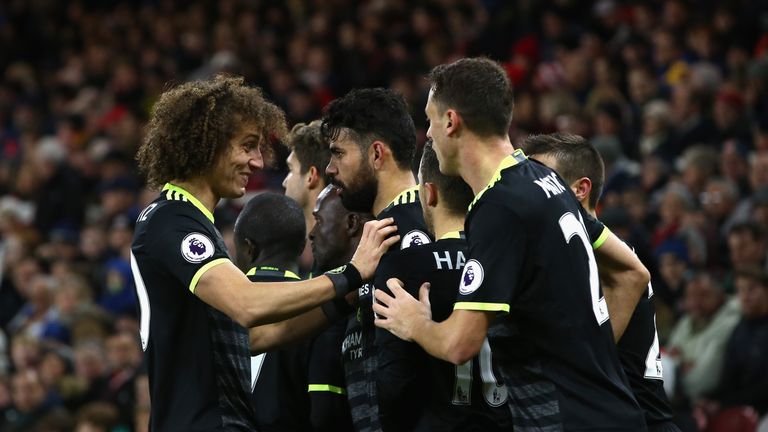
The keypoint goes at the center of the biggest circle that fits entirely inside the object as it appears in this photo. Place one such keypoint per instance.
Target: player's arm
(271, 336)
(226, 288)
(456, 340)
(624, 279)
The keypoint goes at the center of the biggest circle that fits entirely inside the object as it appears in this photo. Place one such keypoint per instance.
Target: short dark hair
(191, 126)
(754, 273)
(456, 193)
(576, 158)
(311, 148)
(751, 227)
(271, 220)
(374, 113)
(479, 89)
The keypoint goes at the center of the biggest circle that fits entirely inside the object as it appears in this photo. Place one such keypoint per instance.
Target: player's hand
(374, 242)
(400, 313)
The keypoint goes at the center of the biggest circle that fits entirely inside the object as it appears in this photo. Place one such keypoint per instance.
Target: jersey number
(571, 226)
(495, 394)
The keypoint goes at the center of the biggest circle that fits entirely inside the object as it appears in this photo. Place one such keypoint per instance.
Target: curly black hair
(192, 124)
(373, 114)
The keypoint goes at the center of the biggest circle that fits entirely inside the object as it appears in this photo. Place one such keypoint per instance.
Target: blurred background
(674, 94)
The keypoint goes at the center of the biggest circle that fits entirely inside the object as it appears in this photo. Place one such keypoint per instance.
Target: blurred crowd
(674, 94)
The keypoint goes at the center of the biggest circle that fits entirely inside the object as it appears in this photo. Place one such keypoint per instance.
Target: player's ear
(313, 178)
(354, 224)
(430, 191)
(376, 152)
(582, 187)
(452, 122)
(250, 250)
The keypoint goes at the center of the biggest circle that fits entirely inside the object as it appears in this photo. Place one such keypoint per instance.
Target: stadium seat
(736, 419)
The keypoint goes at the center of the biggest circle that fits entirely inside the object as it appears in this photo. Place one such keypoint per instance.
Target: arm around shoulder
(227, 289)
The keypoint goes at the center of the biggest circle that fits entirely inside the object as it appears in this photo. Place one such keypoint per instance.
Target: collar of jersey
(451, 235)
(407, 196)
(509, 161)
(267, 270)
(173, 189)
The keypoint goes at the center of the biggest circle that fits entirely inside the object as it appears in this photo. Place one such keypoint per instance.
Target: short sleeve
(596, 230)
(326, 373)
(497, 246)
(185, 247)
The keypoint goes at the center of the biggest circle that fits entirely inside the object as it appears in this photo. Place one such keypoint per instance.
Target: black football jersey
(197, 358)
(280, 381)
(358, 349)
(638, 348)
(420, 392)
(531, 260)
(641, 358)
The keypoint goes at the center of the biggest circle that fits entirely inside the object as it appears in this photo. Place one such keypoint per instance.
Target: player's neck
(309, 220)
(277, 260)
(443, 222)
(390, 186)
(201, 190)
(590, 210)
(480, 158)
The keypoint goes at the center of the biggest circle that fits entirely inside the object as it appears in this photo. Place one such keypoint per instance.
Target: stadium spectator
(744, 380)
(698, 339)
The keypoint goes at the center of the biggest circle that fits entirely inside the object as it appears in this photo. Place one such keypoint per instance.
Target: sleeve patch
(196, 247)
(472, 277)
(414, 238)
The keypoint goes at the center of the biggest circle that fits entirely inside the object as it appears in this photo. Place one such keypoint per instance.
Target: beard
(360, 195)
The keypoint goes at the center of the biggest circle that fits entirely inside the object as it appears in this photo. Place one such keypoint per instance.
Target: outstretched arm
(270, 336)
(227, 289)
(457, 339)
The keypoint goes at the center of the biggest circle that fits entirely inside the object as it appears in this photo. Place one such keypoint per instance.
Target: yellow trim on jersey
(406, 197)
(326, 388)
(507, 162)
(601, 239)
(176, 193)
(201, 271)
(451, 235)
(486, 307)
(287, 273)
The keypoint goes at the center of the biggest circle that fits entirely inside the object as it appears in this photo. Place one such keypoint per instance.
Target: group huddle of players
(518, 257)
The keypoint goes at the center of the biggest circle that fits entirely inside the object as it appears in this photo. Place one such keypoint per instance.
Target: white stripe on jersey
(141, 292)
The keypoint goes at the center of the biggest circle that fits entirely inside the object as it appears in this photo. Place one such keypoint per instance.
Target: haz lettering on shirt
(444, 260)
(550, 185)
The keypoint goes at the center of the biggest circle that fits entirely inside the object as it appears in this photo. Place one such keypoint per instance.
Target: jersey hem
(201, 271)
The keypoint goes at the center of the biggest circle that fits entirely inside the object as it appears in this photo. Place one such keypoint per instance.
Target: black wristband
(336, 309)
(345, 279)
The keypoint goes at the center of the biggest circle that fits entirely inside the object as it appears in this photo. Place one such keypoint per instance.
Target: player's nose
(256, 161)
(331, 169)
